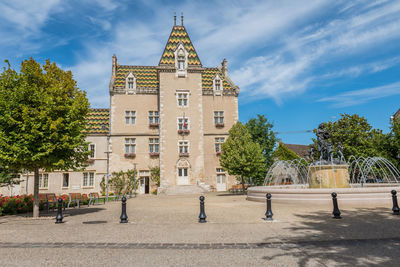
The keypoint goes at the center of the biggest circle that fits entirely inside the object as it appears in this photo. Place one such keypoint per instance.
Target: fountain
(355, 180)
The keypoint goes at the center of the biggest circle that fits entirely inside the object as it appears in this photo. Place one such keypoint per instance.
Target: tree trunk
(242, 184)
(36, 193)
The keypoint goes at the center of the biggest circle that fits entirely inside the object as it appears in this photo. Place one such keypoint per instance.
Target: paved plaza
(163, 231)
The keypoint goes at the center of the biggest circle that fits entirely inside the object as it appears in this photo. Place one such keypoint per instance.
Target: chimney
(224, 65)
(114, 65)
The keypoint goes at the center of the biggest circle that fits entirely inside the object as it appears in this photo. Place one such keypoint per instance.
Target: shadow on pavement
(362, 237)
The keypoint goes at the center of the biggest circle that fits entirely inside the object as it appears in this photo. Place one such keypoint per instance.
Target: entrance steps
(183, 190)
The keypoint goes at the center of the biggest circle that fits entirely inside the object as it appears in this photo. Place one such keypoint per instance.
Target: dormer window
(181, 60)
(217, 84)
(130, 83)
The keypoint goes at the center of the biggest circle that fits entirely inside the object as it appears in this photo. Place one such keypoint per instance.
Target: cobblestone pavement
(163, 230)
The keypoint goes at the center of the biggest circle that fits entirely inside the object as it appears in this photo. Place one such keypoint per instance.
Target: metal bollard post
(268, 214)
(59, 216)
(202, 216)
(336, 211)
(124, 217)
(395, 209)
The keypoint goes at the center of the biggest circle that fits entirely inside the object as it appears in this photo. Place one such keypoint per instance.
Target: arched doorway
(183, 172)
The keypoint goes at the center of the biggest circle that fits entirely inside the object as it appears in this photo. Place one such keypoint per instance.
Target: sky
(299, 63)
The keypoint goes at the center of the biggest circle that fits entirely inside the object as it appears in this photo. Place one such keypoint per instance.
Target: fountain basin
(329, 176)
(302, 194)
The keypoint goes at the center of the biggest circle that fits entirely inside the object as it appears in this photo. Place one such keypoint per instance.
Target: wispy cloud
(357, 97)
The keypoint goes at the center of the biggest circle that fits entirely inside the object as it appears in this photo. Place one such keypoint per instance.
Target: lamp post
(108, 164)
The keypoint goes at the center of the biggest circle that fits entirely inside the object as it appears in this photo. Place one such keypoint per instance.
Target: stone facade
(173, 116)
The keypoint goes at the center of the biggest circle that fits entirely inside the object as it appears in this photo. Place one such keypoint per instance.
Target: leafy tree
(356, 135)
(155, 175)
(389, 144)
(241, 156)
(284, 153)
(261, 132)
(123, 182)
(42, 122)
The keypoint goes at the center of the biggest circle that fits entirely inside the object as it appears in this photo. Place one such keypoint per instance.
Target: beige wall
(170, 85)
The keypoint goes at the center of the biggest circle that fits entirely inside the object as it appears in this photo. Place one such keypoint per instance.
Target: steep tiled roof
(208, 76)
(146, 76)
(98, 121)
(301, 150)
(178, 35)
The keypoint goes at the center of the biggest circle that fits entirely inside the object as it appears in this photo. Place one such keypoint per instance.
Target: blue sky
(297, 62)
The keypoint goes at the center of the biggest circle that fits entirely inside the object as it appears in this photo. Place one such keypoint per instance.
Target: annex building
(174, 116)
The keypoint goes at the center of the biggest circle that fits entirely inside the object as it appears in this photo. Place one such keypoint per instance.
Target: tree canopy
(241, 156)
(43, 120)
(356, 135)
(284, 153)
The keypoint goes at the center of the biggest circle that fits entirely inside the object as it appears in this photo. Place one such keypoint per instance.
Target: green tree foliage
(284, 153)
(42, 122)
(123, 182)
(155, 175)
(241, 156)
(356, 135)
(261, 132)
(389, 144)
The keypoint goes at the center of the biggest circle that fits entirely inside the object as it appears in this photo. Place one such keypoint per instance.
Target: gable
(208, 77)
(146, 76)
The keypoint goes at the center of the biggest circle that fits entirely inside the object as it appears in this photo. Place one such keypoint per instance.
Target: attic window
(217, 84)
(181, 60)
(131, 82)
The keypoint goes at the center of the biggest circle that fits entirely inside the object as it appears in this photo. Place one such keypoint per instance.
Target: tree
(389, 144)
(261, 132)
(123, 182)
(241, 156)
(356, 135)
(43, 120)
(155, 175)
(284, 153)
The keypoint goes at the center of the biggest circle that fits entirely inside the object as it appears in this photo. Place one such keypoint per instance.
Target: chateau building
(174, 116)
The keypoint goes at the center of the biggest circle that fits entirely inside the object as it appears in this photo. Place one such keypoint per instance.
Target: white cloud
(357, 97)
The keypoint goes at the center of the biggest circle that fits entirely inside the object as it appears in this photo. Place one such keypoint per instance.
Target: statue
(312, 153)
(322, 138)
(340, 151)
(329, 151)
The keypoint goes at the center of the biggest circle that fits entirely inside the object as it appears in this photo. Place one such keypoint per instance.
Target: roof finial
(174, 18)
(181, 18)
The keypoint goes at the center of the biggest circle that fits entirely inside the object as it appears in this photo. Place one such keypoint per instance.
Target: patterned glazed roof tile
(97, 121)
(208, 76)
(179, 35)
(146, 76)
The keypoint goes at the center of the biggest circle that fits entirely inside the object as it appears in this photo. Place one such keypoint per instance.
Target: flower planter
(219, 125)
(154, 154)
(183, 131)
(183, 154)
(130, 155)
(154, 125)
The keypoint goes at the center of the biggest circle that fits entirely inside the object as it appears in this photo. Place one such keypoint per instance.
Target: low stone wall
(299, 194)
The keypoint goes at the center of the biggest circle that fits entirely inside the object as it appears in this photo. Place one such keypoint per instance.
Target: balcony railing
(130, 155)
(154, 154)
(183, 131)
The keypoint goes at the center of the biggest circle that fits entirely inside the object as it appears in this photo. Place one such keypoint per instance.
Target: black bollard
(59, 216)
(202, 216)
(395, 209)
(336, 211)
(268, 214)
(124, 217)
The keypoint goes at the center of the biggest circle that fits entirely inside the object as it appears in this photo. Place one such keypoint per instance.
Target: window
(153, 145)
(130, 117)
(183, 123)
(92, 150)
(153, 117)
(183, 147)
(217, 84)
(181, 59)
(130, 145)
(131, 82)
(183, 172)
(221, 178)
(218, 117)
(88, 179)
(218, 143)
(183, 99)
(65, 180)
(43, 180)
